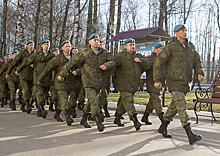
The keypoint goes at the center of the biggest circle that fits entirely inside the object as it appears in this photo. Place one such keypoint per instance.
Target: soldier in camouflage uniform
(66, 87)
(26, 76)
(80, 93)
(179, 58)
(13, 81)
(129, 67)
(40, 60)
(95, 63)
(3, 82)
(155, 94)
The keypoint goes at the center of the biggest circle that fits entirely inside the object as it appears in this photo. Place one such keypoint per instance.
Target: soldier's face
(94, 42)
(56, 52)
(45, 47)
(15, 54)
(66, 48)
(6, 57)
(182, 33)
(101, 44)
(158, 50)
(30, 46)
(74, 51)
(130, 47)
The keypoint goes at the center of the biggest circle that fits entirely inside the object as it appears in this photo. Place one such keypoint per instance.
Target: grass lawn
(143, 99)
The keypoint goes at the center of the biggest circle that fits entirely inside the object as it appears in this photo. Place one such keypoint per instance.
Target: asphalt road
(28, 135)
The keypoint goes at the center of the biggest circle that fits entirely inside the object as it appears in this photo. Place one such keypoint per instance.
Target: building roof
(147, 34)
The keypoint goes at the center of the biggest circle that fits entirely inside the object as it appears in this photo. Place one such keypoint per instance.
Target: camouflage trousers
(13, 88)
(80, 94)
(104, 96)
(93, 101)
(4, 90)
(26, 89)
(126, 104)
(54, 93)
(178, 105)
(41, 94)
(154, 103)
(67, 100)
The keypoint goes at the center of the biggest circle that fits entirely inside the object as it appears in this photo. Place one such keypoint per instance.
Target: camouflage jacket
(27, 73)
(3, 80)
(56, 64)
(40, 61)
(92, 76)
(13, 77)
(128, 71)
(179, 63)
(149, 77)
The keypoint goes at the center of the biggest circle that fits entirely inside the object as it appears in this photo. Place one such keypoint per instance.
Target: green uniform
(3, 82)
(179, 62)
(26, 75)
(155, 94)
(13, 81)
(40, 61)
(93, 78)
(128, 74)
(65, 88)
(53, 91)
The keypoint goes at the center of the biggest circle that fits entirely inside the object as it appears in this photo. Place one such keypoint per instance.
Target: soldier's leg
(40, 93)
(3, 93)
(64, 106)
(25, 93)
(20, 93)
(128, 102)
(104, 101)
(72, 102)
(94, 100)
(119, 112)
(13, 89)
(148, 110)
(81, 98)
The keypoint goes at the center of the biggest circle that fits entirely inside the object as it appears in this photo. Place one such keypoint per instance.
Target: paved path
(28, 135)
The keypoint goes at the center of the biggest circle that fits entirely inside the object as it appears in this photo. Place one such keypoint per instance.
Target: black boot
(20, 99)
(51, 107)
(145, 119)
(106, 111)
(43, 111)
(23, 107)
(163, 129)
(84, 120)
(28, 107)
(39, 112)
(161, 117)
(32, 102)
(57, 115)
(69, 120)
(115, 115)
(37, 106)
(191, 136)
(13, 106)
(73, 112)
(102, 116)
(137, 124)
(118, 119)
(99, 124)
(5, 102)
(10, 104)
(90, 117)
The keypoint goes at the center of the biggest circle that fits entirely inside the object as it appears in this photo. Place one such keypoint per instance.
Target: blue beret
(45, 41)
(14, 52)
(29, 42)
(65, 43)
(73, 48)
(179, 26)
(158, 45)
(100, 41)
(93, 36)
(6, 54)
(2, 58)
(55, 49)
(129, 40)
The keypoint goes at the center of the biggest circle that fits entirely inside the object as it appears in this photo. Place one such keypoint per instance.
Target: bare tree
(37, 23)
(89, 20)
(51, 22)
(118, 25)
(19, 36)
(4, 29)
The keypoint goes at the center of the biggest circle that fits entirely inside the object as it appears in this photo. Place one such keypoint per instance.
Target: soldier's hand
(32, 65)
(137, 59)
(200, 77)
(158, 85)
(60, 78)
(103, 67)
(39, 83)
(7, 76)
(74, 72)
(16, 73)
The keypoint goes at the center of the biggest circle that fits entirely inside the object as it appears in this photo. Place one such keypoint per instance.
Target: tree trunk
(19, 35)
(51, 23)
(37, 23)
(163, 4)
(75, 34)
(118, 25)
(95, 17)
(89, 21)
(62, 37)
(4, 29)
